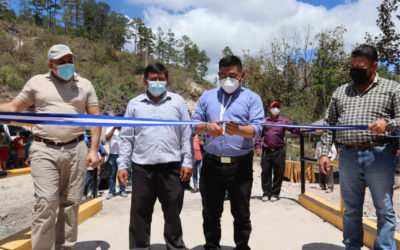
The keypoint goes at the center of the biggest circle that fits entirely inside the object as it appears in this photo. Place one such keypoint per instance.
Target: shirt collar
(375, 82)
(269, 118)
(165, 96)
(234, 93)
(51, 77)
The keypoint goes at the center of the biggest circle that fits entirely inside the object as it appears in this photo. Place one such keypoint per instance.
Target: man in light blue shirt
(156, 153)
(228, 161)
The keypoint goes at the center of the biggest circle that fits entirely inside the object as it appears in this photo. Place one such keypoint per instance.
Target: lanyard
(223, 109)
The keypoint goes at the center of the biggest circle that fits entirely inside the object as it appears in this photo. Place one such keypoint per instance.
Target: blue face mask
(157, 88)
(66, 71)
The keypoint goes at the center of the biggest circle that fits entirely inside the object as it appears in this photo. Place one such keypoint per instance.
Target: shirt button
(223, 141)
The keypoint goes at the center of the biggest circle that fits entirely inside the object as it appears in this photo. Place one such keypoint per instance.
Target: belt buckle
(225, 159)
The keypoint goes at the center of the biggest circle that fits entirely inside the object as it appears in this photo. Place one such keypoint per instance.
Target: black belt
(270, 149)
(366, 145)
(223, 159)
(60, 144)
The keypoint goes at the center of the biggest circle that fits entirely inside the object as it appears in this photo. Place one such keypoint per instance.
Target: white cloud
(252, 24)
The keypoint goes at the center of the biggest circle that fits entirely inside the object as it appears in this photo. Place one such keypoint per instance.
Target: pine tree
(172, 53)
(25, 12)
(388, 42)
(116, 31)
(37, 8)
(227, 51)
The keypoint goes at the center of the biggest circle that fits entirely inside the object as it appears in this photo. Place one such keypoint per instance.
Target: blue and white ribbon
(88, 120)
(104, 121)
(313, 127)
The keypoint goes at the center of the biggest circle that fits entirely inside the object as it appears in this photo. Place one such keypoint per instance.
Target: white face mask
(275, 111)
(229, 85)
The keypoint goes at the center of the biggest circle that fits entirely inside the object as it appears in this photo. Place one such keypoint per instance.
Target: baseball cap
(57, 51)
(275, 104)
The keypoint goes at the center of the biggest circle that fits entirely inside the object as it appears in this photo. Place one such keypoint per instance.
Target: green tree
(117, 25)
(72, 15)
(133, 31)
(52, 8)
(5, 12)
(227, 51)
(202, 68)
(388, 42)
(38, 7)
(171, 52)
(160, 46)
(283, 72)
(185, 44)
(95, 17)
(145, 43)
(25, 12)
(4, 4)
(331, 66)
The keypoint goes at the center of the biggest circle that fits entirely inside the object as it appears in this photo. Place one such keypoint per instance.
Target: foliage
(300, 72)
(388, 42)
(114, 73)
(227, 51)
(331, 66)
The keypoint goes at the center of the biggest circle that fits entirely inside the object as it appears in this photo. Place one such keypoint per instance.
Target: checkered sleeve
(394, 122)
(331, 118)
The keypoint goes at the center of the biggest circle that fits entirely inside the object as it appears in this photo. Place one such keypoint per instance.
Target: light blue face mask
(157, 88)
(66, 71)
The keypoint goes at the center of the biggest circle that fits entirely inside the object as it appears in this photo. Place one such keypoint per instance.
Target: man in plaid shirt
(366, 157)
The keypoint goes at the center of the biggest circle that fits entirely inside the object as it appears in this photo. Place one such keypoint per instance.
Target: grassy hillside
(116, 75)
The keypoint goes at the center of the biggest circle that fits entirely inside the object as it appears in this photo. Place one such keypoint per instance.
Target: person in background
(28, 142)
(323, 179)
(13, 155)
(4, 149)
(366, 157)
(231, 116)
(58, 154)
(114, 138)
(92, 172)
(197, 161)
(156, 153)
(273, 156)
(20, 144)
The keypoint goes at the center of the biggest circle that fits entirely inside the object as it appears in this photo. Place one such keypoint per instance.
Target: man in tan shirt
(59, 155)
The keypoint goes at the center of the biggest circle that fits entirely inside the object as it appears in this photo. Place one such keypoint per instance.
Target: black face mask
(359, 76)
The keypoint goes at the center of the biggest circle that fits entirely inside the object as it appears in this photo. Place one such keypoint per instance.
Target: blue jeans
(89, 182)
(113, 174)
(196, 172)
(373, 167)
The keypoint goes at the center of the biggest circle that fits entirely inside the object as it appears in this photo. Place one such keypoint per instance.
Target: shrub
(10, 76)
(7, 43)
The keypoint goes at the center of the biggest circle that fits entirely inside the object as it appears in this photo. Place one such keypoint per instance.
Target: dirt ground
(16, 199)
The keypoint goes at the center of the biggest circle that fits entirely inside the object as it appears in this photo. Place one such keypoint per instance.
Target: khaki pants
(59, 175)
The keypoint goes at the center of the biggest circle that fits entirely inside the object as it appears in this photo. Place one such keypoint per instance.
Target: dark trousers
(325, 180)
(215, 179)
(272, 161)
(150, 182)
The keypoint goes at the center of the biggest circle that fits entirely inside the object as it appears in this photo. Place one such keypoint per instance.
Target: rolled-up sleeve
(256, 115)
(27, 93)
(200, 113)
(185, 134)
(127, 142)
(331, 118)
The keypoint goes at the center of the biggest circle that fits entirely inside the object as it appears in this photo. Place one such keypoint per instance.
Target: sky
(250, 24)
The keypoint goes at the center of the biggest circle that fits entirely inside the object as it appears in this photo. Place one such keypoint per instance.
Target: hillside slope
(116, 75)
